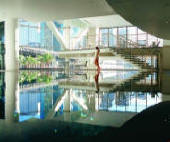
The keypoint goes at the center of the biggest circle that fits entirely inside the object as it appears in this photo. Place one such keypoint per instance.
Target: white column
(79, 37)
(91, 37)
(67, 66)
(11, 45)
(67, 37)
(11, 79)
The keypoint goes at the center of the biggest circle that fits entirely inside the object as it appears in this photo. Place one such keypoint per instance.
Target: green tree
(47, 58)
(31, 60)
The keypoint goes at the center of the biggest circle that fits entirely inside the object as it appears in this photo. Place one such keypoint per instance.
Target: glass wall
(38, 35)
(128, 101)
(104, 37)
(127, 37)
(37, 44)
(112, 37)
(37, 103)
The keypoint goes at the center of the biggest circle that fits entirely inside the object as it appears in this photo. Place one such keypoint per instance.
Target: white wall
(166, 42)
(165, 89)
(165, 58)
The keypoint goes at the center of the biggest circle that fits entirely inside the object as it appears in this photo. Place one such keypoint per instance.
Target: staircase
(133, 59)
(120, 50)
(129, 57)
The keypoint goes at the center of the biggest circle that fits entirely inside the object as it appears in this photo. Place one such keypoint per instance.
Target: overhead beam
(56, 33)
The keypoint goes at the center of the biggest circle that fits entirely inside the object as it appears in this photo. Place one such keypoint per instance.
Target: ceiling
(107, 21)
(46, 10)
(152, 16)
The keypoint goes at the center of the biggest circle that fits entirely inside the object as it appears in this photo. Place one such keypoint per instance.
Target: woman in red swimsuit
(97, 59)
(98, 70)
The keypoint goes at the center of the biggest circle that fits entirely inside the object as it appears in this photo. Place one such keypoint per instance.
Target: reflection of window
(142, 42)
(106, 101)
(128, 101)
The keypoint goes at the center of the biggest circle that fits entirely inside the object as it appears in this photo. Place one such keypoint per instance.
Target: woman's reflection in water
(97, 81)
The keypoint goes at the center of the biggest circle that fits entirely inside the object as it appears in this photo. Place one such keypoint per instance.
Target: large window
(127, 37)
(38, 35)
(112, 37)
(104, 37)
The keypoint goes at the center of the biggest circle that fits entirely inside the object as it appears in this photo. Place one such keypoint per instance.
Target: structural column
(165, 52)
(67, 36)
(91, 37)
(11, 81)
(11, 45)
(67, 66)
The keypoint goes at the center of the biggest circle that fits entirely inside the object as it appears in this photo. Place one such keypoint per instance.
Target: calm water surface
(111, 100)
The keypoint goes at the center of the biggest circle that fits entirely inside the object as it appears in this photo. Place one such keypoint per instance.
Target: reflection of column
(67, 102)
(96, 102)
(117, 98)
(67, 66)
(11, 44)
(11, 79)
(91, 103)
(17, 98)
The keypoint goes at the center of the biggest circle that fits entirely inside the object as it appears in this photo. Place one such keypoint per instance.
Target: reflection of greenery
(41, 59)
(34, 77)
(44, 78)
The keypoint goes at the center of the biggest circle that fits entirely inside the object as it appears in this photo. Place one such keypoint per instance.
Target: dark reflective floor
(29, 98)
